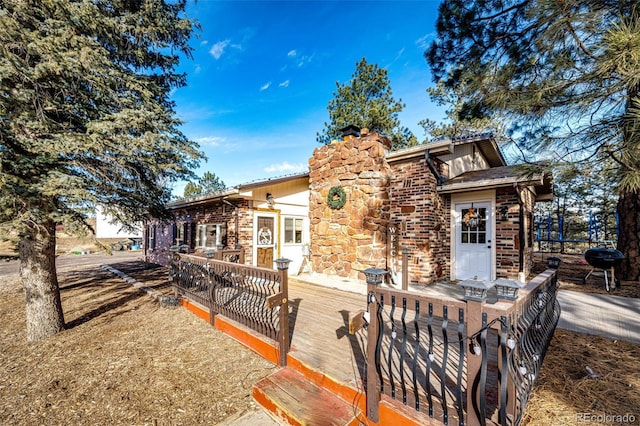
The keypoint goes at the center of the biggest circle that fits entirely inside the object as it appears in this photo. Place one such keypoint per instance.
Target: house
(108, 227)
(454, 207)
(267, 219)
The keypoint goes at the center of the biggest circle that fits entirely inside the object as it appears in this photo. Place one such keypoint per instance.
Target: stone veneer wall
(423, 220)
(348, 240)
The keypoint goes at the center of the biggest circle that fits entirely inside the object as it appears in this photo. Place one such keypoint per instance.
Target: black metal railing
(459, 362)
(420, 351)
(254, 297)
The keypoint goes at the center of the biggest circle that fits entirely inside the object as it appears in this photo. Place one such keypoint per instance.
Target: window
(474, 226)
(211, 235)
(180, 233)
(293, 230)
(151, 236)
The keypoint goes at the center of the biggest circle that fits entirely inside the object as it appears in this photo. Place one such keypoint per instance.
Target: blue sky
(263, 73)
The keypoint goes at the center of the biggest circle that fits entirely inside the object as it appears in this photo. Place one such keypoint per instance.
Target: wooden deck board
(321, 340)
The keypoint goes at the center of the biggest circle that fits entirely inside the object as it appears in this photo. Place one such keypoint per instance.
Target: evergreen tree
(457, 123)
(86, 120)
(565, 74)
(367, 101)
(209, 183)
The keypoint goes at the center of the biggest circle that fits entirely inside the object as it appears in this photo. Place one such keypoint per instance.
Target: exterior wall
(423, 221)
(464, 159)
(291, 200)
(348, 240)
(158, 238)
(508, 241)
(106, 229)
(188, 219)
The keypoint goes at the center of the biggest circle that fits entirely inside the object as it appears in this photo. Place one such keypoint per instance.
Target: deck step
(294, 400)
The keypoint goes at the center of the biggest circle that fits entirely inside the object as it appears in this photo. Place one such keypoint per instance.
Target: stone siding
(353, 238)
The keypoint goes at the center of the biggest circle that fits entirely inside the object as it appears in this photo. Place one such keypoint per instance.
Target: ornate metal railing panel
(532, 334)
(236, 291)
(420, 353)
(459, 362)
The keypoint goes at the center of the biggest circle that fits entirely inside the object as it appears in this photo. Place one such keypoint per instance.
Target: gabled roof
(485, 141)
(235, 192)
(499, 177)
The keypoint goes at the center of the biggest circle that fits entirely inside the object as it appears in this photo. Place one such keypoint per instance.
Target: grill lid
(601, 257)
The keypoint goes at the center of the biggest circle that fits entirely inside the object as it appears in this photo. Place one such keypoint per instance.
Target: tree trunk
(40, 282)
(629, 238)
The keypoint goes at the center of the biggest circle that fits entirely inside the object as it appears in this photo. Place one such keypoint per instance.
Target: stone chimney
(350, 132)
(349, 236)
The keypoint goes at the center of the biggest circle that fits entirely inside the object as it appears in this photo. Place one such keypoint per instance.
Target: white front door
(473, 241)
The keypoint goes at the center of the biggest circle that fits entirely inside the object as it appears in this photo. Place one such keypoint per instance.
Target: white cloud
(304, 60)
(218, 49)
(424, 41)
(285, 167)
(265, 86)
(284, 84)
(204, 42)
(292, 53)
(210, 140)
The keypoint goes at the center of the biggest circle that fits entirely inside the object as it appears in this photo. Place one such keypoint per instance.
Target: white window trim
(220, 233)
(284, 234)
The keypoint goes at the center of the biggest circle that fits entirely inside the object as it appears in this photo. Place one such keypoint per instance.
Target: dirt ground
(126, 360)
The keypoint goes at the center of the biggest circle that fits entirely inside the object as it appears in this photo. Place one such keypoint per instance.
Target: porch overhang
(204, 199)
(499, 177)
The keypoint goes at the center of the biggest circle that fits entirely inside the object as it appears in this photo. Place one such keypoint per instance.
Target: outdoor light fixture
(553, 262)
(507, 289)
(374, 275)
(270, 200)
(475, 290)
(282, 263)
(504, 213)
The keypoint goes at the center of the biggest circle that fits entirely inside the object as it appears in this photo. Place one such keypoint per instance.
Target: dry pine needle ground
(124, 360)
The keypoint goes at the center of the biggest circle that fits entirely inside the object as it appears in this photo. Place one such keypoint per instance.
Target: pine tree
(367, 101)
(566, 76)
(86, 120)
(207, 184)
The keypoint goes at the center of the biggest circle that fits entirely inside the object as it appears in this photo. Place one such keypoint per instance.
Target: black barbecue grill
(606, 259)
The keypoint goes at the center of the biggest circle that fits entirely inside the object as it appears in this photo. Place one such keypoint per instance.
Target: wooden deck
(436, 356)
(320, 341)
(319, 330)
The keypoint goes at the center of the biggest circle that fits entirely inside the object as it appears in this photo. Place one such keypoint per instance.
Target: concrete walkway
(613, 317)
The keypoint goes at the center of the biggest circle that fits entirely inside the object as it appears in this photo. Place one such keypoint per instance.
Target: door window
(265, 231)
(473, 225)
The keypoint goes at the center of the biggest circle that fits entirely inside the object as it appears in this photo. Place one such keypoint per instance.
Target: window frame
(220, 232)
(295, 220)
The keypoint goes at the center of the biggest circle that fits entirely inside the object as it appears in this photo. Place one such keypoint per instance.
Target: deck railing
(255, 297)
(459, 362)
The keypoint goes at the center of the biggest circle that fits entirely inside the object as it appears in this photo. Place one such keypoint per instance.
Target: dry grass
(565, 389)
(124, 359)
(574, 268)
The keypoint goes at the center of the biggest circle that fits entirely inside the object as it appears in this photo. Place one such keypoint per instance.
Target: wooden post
(283, 333)
(373, 387)
(374, 279)
(474, 362)
(405, 268)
